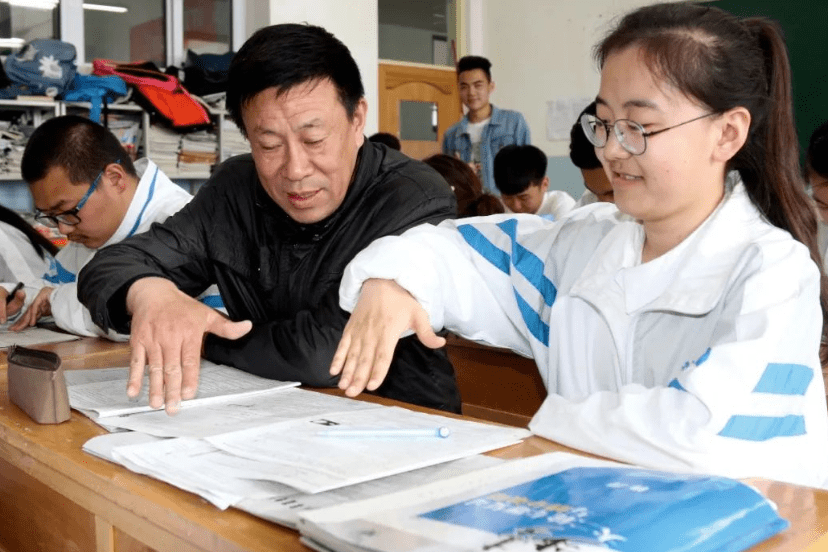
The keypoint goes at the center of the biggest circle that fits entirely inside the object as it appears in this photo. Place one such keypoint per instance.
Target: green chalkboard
(805, 24)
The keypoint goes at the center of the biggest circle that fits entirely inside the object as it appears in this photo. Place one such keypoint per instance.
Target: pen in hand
(12, 293)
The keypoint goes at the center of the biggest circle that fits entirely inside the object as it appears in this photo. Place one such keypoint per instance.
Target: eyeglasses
(630, 135)
(70, 217)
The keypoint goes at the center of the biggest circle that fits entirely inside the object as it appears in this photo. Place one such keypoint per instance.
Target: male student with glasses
(84, 184)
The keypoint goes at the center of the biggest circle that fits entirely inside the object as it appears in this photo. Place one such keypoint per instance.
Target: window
(160, 31)
(135, 32)
(21, 22)
(422, 31)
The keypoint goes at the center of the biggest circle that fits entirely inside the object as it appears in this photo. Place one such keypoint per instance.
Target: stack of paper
(198, 153)
(164, 145)
(31, 336)
(555, 501)
(233, 142)
(265, 446)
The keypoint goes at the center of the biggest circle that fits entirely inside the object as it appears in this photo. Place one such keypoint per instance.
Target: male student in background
(582, 155)
(84, 184)
(275, 230)
(520, 177)
(484, 129)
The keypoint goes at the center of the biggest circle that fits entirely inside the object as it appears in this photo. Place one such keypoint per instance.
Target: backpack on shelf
(206, 74)
(43, 67)
(158, 93)
(96, 90)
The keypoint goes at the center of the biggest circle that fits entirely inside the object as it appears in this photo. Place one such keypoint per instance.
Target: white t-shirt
(475, 134)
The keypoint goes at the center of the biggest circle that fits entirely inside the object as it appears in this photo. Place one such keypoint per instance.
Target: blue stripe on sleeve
(537, 327)
(676, 385)
(487, 249)
(763, 428)
(528, 264)
(59, 275)
(213, 301)
(785, 379)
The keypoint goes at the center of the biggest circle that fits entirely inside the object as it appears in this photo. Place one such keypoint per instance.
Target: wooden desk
(55, 497)
(495, 384)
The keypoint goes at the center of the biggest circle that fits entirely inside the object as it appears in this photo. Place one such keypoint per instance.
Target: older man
(274, 229)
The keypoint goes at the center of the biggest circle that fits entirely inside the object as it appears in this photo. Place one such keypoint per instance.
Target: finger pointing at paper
(168, 328)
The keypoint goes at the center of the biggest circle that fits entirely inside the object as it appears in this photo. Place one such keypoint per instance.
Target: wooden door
(400, 82)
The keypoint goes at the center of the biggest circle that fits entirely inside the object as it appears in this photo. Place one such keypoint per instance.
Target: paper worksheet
(101, 393)
(297, 453)
(200, 468)
(235, 414)
(32, 336)
(285, 510)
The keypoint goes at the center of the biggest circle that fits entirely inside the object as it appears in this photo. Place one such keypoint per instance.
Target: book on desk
(556, 501)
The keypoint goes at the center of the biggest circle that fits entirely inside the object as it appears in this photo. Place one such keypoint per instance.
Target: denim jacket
(505, 127)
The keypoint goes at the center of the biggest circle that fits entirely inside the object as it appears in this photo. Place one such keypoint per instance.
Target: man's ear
(116, 176)
(544, 184)
(358, 120)
(733, 127)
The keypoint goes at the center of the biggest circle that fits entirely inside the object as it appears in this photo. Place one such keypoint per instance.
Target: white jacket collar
(146, 170)
(690, 278)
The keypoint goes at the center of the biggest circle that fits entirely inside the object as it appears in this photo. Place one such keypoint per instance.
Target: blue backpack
(96, 90)
(44, 67)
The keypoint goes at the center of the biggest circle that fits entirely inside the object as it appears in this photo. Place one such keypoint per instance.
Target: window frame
(72, 28)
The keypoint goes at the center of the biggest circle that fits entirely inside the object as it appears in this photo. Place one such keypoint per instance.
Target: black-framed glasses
(70, 217)
(630, 135)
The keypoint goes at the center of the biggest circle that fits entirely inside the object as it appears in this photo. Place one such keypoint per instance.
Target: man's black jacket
(282, 275)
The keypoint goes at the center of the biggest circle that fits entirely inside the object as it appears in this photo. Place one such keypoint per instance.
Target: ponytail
(780, 189)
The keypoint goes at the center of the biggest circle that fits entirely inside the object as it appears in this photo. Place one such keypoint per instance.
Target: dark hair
(816, 158)
(472, 200)
(386, 138)
(518, 167)
(39, 242)
(581, 150)
(80, 146)
(469, 63)
(286, 55)
(723, 61)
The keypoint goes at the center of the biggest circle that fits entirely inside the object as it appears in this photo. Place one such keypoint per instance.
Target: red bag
(163, 93)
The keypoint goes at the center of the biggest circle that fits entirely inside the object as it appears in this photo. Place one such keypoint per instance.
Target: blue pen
(12, 293)
(368, 433)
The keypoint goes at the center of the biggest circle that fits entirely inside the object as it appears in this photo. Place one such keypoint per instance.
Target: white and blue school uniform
(156, 198)
(704, 359)
(19, 261)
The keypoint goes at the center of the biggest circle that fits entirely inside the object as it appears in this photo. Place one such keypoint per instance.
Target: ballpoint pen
(369, 433)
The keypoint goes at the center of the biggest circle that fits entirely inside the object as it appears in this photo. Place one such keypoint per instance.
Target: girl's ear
(733, 126)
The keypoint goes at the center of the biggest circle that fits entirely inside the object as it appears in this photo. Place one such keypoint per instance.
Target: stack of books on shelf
(198, 153)
(164, 145)
(128, 131)
(232, 139)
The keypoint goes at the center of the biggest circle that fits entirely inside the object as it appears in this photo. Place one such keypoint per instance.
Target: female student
(686, 338)
(25, 255)
(472, 199)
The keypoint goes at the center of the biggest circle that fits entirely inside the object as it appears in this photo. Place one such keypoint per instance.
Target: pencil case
(37, 385)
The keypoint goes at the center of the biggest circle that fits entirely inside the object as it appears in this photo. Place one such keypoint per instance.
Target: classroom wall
(355, 23)
(541, 50)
